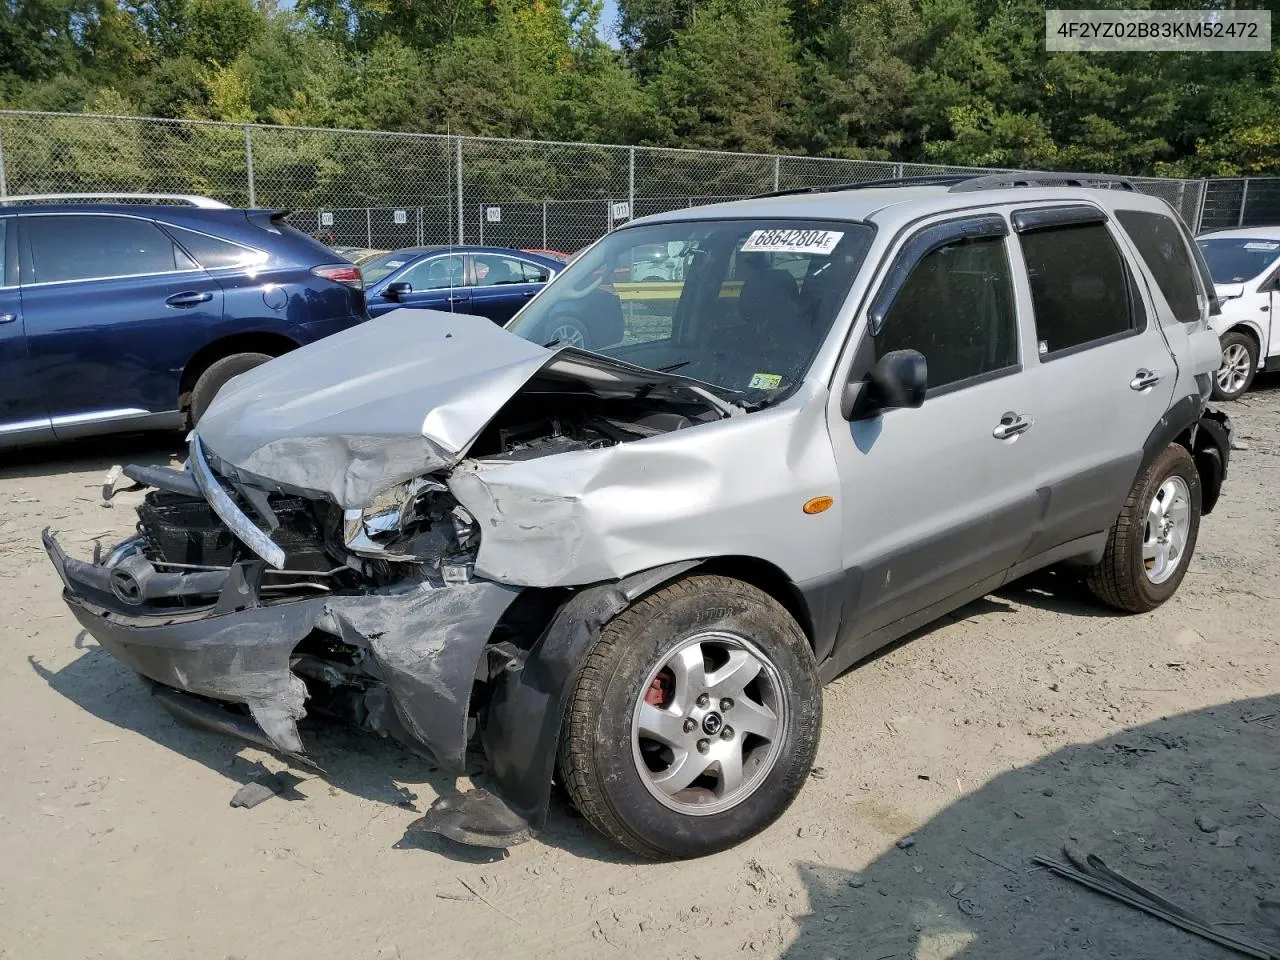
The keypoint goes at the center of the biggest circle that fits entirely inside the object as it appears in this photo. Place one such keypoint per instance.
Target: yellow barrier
(669, 290)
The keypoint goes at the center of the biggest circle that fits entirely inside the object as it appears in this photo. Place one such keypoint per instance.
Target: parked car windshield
(378, 267)
(1238, 259)
(740, 304)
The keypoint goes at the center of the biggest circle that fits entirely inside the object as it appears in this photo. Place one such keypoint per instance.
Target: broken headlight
(392, 516)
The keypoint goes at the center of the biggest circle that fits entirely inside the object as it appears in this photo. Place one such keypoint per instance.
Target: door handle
(456, 299)
(528, 293)
(1010, 425)
(188, 298)
(1144, 379)
(8, 317)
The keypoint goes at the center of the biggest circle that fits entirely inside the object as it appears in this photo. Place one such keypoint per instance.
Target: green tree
(731, 79)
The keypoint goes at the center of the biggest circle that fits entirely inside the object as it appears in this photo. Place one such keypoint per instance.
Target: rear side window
(4, 238)
(1079, 286)
(97, 247)
(1160, 242)
(956, 308)
(214, 254)
(534, 273)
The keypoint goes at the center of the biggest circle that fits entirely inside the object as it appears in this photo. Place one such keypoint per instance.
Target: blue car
(492, 282)
(119, 316)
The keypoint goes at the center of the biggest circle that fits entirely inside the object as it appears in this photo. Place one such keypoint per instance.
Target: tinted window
(4, 226)
(1079, 286)
(1160, 242)
(89, 247)
(436, 274)
(212, 253)
(1237, 259)
(956, 308)
(494, 271)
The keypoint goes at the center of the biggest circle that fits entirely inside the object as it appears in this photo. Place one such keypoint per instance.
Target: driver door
(938, 501)
(438, 283)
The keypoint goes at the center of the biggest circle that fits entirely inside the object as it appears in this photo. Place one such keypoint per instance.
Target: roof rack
(189, 199)
(928, 180)
(999, 181)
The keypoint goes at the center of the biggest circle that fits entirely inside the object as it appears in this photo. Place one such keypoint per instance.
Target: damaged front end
(381, 641)
(296, 564)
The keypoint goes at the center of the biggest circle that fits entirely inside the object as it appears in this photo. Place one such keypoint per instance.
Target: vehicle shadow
(95, 453)
(1055, 590)
(376, 769)
(1188, 806)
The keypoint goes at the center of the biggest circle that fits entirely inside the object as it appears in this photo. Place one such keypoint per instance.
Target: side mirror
(899, 379)
(395, 291)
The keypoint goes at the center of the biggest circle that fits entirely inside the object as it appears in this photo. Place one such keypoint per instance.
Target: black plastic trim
(1060, 215)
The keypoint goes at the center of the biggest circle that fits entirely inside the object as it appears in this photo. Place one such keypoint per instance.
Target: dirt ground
(1026, 719)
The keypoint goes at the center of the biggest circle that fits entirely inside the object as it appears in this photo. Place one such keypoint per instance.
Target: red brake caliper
(661, 689)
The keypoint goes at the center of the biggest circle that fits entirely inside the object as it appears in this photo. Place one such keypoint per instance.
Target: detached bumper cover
(423, 642)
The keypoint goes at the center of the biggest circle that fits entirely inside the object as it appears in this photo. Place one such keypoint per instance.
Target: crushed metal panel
(371, 406)
(736, 486)
(427, 642)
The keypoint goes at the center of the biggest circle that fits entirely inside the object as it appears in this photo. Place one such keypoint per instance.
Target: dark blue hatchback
(493, 282)
(131, 315)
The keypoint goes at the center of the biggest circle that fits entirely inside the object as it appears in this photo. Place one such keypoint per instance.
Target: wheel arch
(525, 706)
(273, 344)
(1249, 329)
(1205, 433)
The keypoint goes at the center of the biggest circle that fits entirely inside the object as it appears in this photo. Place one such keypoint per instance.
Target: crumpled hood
(1228, 291)
(394, 398)
(374, 405)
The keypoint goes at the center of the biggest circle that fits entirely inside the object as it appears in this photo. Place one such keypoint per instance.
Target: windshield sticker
(764, 381)
(793, 241)
(1261, 245)
(395, 263)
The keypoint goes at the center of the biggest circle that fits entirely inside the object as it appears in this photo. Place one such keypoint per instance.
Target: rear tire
(1152, 542)
(708, 634)
(215, 377)
(1239, 366)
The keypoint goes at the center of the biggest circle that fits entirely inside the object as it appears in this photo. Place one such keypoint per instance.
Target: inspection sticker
(1262, 245)
(792, 241)
(764, 381)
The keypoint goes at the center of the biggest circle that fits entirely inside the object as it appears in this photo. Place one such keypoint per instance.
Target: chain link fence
(1240, 202)
(389, 190)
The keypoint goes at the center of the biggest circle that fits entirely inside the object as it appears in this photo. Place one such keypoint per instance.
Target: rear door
(23, 418)
(503, 285)
(1102, 369)
(114, 309)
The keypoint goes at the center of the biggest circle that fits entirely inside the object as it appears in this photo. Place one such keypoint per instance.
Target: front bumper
(422, 645)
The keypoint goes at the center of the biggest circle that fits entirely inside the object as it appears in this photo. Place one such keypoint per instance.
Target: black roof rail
(999, 181)
(929, 180)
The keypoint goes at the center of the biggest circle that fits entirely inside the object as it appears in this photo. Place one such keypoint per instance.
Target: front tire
(694, 720)
(1151, 544)
(1239, 366)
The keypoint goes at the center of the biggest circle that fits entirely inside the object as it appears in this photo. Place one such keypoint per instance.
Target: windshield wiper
(674, 366)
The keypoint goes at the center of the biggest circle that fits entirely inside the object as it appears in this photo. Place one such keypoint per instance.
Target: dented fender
(520, 730)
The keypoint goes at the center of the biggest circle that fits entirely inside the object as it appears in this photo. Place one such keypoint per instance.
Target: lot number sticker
(792, 241)
(1261, 245)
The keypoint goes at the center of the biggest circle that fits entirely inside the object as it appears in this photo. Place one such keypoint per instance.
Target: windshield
(1238, 259)
(740, 304)
(381, 266)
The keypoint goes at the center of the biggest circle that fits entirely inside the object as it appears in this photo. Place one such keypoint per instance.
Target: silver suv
(631, 570)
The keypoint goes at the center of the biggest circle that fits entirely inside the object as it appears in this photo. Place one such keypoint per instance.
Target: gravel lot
(1026, 719)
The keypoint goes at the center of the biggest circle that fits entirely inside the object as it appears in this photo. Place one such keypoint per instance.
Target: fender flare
(520, 729)
(1205, 432)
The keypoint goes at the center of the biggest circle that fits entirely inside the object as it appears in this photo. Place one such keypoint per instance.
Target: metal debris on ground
(1096, 875)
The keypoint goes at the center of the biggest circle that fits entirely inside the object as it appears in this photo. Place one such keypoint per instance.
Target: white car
(1245, 265)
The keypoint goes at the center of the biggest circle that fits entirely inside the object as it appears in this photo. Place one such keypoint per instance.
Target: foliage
(932, 81)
